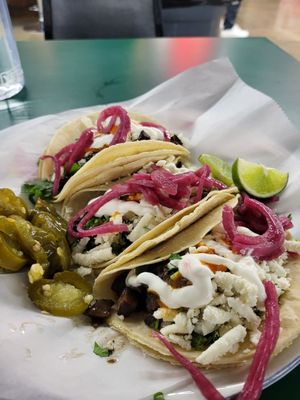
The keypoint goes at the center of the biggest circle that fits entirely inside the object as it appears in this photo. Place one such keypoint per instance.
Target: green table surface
(61, 75)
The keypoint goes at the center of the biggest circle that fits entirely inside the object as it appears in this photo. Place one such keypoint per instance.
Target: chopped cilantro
(175, 256)
(101, 351)
(290, 216)
(158, 396)
(201, 342)
(75, 167)
(95, 221)
(38, 189)
(152, 322)
(155, 324)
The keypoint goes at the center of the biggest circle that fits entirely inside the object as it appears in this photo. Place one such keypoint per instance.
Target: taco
(203, 290)
(137, 214)
(98, 148)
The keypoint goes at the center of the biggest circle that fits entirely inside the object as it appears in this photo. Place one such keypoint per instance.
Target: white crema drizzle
(196, 295)
(193, 267)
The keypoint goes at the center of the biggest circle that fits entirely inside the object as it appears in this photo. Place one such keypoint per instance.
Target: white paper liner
(51, 358)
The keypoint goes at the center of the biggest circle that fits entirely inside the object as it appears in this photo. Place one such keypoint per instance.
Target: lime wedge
(220, 169)
(258, 180)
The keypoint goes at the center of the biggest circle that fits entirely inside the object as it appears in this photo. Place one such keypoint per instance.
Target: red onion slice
(108, 227)
(159, 187)
(114, 113)
(206, 387)
(267, 246)
(286, 222)
(253, 386)
(200, 188)
(80, 146)
(57, 173)
(164, 180)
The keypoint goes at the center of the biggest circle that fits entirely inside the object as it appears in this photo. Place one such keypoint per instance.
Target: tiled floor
(278, 20)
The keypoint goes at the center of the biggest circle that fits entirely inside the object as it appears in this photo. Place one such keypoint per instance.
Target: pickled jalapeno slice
(11, 256)
(12, 204)
(66, 295)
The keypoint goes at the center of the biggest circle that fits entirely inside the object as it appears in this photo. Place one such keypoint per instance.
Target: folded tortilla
(170, 227)
(109, 164)
(140, 334)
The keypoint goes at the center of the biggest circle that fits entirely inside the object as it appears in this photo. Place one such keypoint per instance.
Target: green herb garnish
(75, 167)
(290, 216)
(146, 228)
(175, 256)
(155, 324)
(101, 351)
(38, 189)
(96, 221)
(201, 342)
(158, 396)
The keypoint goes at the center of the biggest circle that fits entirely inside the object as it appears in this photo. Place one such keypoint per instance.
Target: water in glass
(11, 73)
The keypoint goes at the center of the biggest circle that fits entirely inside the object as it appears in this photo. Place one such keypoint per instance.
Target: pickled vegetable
(42, 205)
(38, 244)
(66, 295)
(11, 256)
(61, 258)
(11, 204)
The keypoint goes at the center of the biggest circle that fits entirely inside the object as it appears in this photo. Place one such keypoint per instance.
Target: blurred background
(278, 20)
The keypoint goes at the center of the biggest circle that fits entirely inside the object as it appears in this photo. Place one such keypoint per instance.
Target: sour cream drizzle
(154, 133)
(245, 267)
(100, 141)
(199, 294)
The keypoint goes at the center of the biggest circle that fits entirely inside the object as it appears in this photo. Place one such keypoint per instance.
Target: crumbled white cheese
(220, 299)
(255, 336)
(93, 256)
(215, 315)
(88, 298)
(141, 227)
(84, 271)
(245, 311)
(205, 327)
(182, 325)
(225, 344)
(231, 284)
(35, 273)
(180, 340)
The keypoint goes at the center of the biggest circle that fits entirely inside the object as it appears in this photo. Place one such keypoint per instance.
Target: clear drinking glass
(11, 73)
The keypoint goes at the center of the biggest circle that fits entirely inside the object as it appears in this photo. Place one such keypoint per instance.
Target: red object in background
(184, 54)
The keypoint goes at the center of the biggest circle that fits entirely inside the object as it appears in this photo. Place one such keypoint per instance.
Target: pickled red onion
(253, 386)
(78, 150)
(206, 387)
(57, 173)
(163, 179)
(267, 246)
(158, 187)
(115, 112)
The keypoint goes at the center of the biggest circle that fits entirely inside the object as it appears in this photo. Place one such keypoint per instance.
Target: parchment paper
(51, 358)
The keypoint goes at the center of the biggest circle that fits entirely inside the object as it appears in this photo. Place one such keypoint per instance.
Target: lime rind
(220, 169)
(258, 180)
